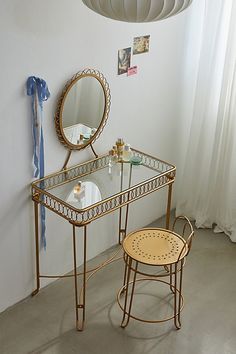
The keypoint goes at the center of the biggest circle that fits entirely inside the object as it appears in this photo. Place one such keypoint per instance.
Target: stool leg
(171, 279)
(180, 289)
(126, 288)
(178, 294)
(175, 296)
(125, 272)
(126, 315)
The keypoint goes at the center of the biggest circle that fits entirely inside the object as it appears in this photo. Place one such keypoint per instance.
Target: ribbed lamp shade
(137, 10)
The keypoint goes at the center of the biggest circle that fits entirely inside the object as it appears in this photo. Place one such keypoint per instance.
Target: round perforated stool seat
(155, 246)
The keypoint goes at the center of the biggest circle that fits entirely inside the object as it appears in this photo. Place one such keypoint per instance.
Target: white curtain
(208, 190)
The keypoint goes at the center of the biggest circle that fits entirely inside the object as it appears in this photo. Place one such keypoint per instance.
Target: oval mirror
(83, 109)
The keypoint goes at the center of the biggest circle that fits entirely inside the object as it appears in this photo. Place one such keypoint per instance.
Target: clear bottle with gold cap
(120, 148)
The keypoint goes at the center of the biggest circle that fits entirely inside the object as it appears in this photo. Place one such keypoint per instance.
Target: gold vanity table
(105, 188)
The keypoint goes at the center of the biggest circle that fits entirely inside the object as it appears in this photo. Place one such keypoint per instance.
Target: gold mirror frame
(58, 115)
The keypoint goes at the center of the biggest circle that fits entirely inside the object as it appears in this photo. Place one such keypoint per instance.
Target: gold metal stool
(160, 248)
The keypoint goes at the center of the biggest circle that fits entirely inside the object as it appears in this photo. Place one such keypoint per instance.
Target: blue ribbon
(38, 90)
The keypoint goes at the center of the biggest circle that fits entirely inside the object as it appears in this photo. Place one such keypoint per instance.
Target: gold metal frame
(41, 194)
(58, 115)
(175, 290)
(174, 271)
(41, 188)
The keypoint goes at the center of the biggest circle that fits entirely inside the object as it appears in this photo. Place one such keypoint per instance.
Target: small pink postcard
(133, 70)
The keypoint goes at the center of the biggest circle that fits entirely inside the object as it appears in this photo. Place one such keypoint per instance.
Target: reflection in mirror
(83, 110)
(84, 194)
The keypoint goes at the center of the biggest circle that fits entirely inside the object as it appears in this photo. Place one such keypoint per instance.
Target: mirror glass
(83, 109)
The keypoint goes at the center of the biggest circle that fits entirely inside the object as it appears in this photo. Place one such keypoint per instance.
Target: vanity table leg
(120, 210)
(123, 230)
(127, 206)
(83, 290)
(36, 224)
(75, 276)
(80, 300)
(168, 205)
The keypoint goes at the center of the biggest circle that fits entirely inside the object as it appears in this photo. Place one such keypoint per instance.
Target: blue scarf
(38, 90)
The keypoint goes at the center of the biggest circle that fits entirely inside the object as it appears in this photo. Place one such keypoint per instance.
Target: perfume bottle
(120, 148)
(127, 153)
(114, 148)
(114, 154)
(112, 160)
(110, 163)
(77, 189)
(80, 141)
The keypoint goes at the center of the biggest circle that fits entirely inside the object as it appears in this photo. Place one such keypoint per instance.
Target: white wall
(53, 40)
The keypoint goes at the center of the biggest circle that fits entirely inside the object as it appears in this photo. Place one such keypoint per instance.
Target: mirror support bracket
(92, 148)
(67, 160)
(69, 155)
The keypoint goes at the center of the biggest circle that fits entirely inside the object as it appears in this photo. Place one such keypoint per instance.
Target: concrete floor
(46, 323)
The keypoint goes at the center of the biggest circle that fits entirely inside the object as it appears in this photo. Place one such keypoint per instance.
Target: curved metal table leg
(36, 217)
(80, 302)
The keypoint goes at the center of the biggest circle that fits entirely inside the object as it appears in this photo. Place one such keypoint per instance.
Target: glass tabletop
(102, 184)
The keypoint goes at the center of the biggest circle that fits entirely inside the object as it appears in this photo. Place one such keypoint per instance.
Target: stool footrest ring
(122, 291)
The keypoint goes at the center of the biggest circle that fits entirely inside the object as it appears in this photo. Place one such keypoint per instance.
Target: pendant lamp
(137, 10)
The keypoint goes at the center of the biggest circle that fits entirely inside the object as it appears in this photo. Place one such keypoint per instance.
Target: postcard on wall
(132, 71)
(141, 44)
(124, 56)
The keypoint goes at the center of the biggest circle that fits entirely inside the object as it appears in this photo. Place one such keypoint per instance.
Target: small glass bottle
(77, 189)
(80, 141)
(120, 148)
(127, 153)
(114, 148)
(110, 162)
